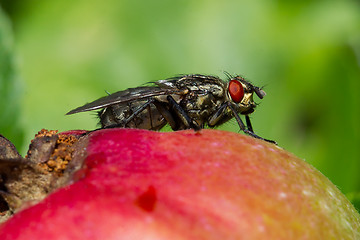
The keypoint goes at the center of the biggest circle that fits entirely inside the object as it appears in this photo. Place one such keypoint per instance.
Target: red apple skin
(138, 184)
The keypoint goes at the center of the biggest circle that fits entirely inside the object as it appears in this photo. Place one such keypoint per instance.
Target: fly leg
(217, 116)
(248, 123)
(249, 127)
(243, 128)
(166, 114)
(182, 114)
(133, 115)
(137, 111)
(150, 116)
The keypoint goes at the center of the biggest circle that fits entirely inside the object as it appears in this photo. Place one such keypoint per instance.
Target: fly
(184, 102)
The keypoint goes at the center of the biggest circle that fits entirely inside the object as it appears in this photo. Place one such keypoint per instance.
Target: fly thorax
(198, 101)
(217, 91)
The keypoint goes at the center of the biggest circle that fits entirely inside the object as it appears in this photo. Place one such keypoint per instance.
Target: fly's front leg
(243, 128)
(248, 123)
(182, 114)
(250, 128)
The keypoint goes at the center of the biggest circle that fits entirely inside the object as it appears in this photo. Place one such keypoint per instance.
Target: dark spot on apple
(147, 200)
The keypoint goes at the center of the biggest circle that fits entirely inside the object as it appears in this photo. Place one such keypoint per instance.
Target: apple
(139, 184)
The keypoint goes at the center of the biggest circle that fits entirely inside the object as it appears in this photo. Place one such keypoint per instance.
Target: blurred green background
(56, 55)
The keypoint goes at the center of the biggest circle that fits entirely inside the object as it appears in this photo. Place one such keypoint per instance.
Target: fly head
(240, 93)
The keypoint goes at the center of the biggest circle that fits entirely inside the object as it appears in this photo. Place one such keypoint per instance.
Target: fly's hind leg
(133, 115)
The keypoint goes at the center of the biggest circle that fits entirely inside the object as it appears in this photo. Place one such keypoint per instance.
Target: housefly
(184, 102)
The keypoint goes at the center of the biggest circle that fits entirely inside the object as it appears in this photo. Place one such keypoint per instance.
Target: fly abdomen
(126, 115)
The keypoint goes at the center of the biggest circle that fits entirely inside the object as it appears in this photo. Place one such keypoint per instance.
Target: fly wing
(127, 95)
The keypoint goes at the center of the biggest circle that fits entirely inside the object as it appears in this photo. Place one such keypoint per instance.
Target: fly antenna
(259, 92)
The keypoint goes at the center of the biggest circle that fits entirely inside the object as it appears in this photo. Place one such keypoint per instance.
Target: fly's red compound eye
(236, 91)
